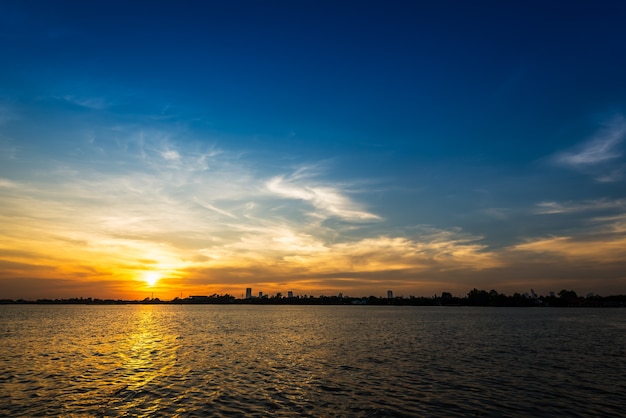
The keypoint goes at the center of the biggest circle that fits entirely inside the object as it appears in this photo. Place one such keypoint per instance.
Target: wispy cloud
(602, 147)
(92, 103)
(329, 200)
(552, 207)
(170, 155)
(600, 154)
(613, 175)
(8, 184)
(213, 208)
(595, 249)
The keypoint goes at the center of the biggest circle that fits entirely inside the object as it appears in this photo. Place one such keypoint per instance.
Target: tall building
(248, 293)
(290, 294)
(389, 294)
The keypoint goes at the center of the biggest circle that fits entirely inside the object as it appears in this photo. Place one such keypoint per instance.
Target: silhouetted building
(389, 294)
(248, 293)
(290, 294)
(260, 295)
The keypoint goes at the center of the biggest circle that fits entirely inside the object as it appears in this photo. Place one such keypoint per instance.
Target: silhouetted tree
(478, 297)
(567, 294)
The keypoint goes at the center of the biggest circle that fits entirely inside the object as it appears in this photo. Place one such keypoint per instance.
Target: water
(323, 361)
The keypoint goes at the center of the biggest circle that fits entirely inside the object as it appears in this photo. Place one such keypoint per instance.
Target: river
(322, 361)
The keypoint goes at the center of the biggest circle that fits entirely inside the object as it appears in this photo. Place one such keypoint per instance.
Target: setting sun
(151, 277)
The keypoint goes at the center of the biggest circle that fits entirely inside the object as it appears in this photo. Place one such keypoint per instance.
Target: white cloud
(552, 207)
(93, 103)
(601, 148)
(600, 157)
(330, 200)
(8, 184)
(171, 155)
(614, 175)
(213, 208)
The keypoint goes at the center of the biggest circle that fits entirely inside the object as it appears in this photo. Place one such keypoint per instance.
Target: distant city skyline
(313, 147)
(475, 297)
(563, 294)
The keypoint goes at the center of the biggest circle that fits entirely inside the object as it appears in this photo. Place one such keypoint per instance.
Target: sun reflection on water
(151, 360)
(147, 354)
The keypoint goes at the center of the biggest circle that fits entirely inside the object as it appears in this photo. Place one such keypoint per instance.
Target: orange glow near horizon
(55, 249)
(134, 269)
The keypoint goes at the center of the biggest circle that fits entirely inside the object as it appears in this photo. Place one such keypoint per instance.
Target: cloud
(92, 103)
(601, 155)
(595, 249)
(170, 155)
(601, 148)
(8, 184)
(599, 244)
(551, 207)
(213, 208)
(614, 175)
(329, 200)
(279, 256)
(616, 223)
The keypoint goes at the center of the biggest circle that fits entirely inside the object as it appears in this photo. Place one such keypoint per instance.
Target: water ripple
(195, 361)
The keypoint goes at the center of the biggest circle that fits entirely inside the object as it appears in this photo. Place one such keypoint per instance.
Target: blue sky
(311, 146)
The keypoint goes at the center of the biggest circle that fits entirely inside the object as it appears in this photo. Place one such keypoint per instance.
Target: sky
(182, 148)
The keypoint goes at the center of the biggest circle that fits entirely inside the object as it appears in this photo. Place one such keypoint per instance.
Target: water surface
(225, 360)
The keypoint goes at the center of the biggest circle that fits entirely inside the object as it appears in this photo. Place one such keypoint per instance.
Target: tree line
(475, 297)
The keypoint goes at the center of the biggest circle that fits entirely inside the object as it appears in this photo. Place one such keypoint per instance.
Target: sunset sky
(318, 147)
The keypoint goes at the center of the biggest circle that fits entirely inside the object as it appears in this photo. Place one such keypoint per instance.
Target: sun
(151, 277)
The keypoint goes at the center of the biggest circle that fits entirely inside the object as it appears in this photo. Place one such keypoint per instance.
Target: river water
(322, 361)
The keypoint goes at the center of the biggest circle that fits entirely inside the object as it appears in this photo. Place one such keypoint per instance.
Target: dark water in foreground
(211, 360)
